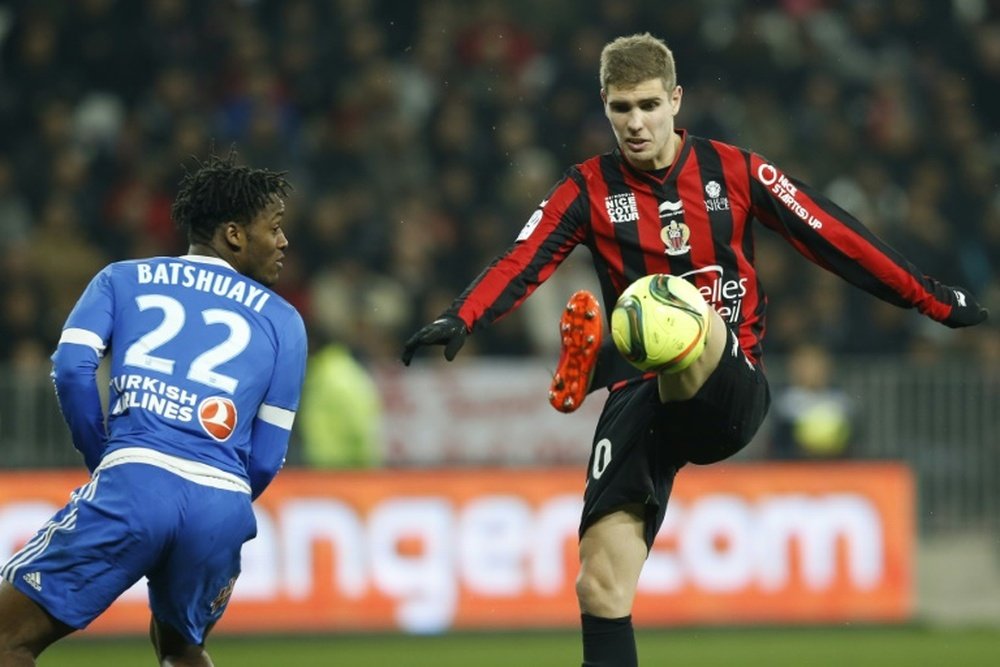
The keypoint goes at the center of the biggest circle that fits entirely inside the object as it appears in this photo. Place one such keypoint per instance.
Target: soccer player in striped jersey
(206, 366)
(667, 202)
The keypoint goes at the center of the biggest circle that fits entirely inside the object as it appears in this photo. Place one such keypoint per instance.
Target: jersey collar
(207, 259)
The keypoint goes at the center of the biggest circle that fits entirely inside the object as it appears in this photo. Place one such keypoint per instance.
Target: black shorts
(640, 443)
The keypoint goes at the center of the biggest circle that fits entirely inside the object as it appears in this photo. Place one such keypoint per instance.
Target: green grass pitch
(909, 646)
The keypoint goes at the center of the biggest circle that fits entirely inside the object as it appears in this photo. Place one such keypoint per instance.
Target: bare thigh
(24, 625)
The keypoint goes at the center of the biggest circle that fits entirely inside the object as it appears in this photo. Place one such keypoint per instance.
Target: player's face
(642, 117)
(264, 245)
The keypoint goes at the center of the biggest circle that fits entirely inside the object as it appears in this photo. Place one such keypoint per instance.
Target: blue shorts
(131, 521)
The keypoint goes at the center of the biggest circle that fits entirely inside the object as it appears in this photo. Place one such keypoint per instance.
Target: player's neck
(673, 150)
(207, 250)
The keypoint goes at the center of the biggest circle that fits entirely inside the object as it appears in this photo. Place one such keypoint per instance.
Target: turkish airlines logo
(217, 417)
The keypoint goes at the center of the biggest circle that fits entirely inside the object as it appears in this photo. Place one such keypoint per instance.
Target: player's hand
(446, 330)
(966, 311)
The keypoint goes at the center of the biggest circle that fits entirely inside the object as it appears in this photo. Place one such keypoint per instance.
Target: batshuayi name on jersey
(203, 280)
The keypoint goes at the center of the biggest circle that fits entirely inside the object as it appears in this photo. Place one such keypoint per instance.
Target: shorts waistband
(193, 471)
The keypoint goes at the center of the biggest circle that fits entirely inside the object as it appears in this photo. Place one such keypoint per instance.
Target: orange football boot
(580, 329)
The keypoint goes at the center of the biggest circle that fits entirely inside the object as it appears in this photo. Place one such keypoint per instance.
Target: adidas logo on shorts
(34, 579)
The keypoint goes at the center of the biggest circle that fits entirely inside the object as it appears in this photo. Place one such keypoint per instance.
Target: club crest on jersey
(622, 207)
(675, 237)
(217, 416)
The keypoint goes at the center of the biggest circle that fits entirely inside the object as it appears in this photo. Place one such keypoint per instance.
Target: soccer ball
(660, 323)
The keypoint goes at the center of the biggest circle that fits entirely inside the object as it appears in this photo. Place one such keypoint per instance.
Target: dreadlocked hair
(220, 190)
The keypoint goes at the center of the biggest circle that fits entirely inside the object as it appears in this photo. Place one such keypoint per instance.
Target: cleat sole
(581, 333)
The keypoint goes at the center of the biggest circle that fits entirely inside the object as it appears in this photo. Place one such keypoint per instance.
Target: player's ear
(233, 234)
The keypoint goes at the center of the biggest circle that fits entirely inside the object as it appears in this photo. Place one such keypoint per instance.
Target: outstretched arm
(832, 238)
(554, 229)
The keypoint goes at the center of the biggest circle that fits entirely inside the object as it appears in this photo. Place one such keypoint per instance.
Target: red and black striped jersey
(694, 220)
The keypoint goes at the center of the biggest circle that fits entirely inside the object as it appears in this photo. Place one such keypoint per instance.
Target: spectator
(812, 417)
(425, 123)
(340, 416)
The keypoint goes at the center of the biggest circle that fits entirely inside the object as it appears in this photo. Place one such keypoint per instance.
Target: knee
(601, 593)
(684, 385)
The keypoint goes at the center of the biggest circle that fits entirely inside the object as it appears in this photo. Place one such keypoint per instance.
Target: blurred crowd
(421, 134)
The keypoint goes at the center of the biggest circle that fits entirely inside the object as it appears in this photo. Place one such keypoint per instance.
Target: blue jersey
(206, 365)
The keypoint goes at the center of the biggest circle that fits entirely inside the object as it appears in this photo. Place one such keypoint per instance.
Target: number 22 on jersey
(202, 368)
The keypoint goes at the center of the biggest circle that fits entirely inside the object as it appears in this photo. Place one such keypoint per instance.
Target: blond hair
(630, 60)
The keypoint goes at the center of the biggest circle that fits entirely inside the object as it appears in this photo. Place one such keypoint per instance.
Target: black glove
(966, 311)
(446, 330)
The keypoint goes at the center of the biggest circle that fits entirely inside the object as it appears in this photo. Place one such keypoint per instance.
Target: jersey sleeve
(273, 422)
(555, 228)
(82, 344)
(832, 238)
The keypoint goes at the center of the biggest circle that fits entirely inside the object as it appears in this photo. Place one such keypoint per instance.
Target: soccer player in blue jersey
(206, 369)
